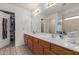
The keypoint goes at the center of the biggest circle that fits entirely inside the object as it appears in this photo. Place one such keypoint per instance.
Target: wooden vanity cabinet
(60, 51)
(30, 42)
(44, 44)
(25, 39)
(37, 49)
(41, 47)
(40, 50)
(35, 46)
(76, 53)
(48, 52)
(46, 47)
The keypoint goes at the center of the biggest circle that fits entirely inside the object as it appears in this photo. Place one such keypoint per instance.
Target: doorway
(12, 27)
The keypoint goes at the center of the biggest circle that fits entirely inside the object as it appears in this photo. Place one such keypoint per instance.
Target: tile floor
(19, 50)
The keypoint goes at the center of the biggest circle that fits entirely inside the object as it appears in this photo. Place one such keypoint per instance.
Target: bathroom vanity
(44, 44)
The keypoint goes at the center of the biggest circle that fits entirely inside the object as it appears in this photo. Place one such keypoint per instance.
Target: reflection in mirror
(4, 29)
(47, 25)
(42, 26)
(71, 25)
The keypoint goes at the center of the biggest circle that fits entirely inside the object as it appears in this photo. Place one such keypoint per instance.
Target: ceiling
(29, 6)
(33, 6)
(60, 7)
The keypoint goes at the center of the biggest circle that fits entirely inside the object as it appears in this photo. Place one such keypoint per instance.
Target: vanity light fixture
(70, 18)
(36, 12)
(50, 5)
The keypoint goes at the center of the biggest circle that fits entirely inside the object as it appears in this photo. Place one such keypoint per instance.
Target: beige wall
(68, 25)
(52, 26)
(71, 25)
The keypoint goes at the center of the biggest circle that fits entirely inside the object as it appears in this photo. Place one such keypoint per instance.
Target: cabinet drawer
(60, 51)
(44, 44)
(48, 52)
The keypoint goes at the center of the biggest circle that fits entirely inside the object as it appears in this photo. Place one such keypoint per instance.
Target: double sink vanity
(46, 44)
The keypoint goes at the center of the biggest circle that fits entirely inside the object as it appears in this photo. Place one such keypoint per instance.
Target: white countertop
(61, 42)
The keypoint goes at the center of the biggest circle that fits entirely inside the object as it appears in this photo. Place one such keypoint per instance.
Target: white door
(6, 41)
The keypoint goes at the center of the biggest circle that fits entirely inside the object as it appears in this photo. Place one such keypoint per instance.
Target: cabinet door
(35, 46)
(44, 44)
(40, 50)
(37, 49)
(48, 52)
(29, 42)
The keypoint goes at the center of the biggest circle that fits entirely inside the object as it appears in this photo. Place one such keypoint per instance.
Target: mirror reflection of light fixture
(50, 5)
(36, 12)
(70, 18)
